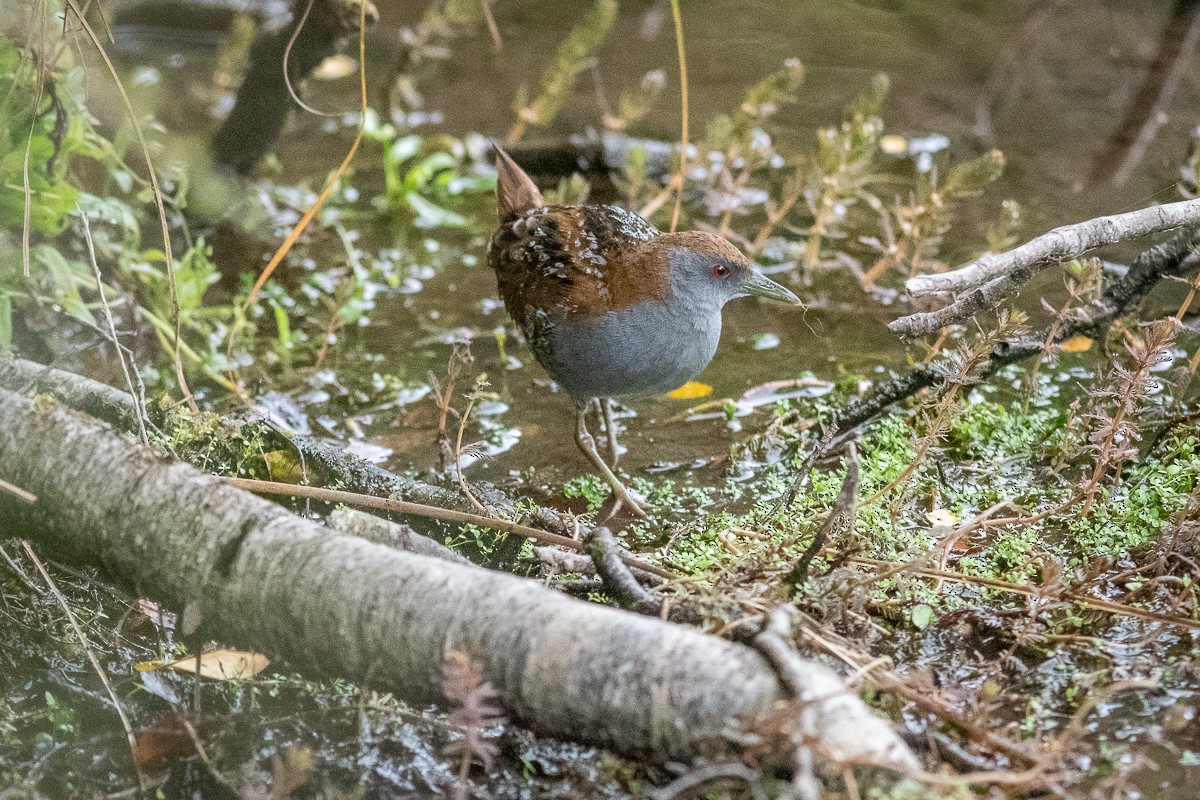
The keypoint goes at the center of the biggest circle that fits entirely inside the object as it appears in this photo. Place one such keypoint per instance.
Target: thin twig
(138, 410)
(190, 729)
(427, 511)
(287, 77)
(458, 454)
(18, 492)
(95, 662)
(843, 508)
(306, 218)
(493, 28)
(683, 107)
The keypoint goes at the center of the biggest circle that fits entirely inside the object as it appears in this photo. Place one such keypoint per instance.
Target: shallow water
(1062, 88)
(1048, 83)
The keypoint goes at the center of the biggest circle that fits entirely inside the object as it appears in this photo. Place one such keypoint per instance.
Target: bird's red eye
(720, 270)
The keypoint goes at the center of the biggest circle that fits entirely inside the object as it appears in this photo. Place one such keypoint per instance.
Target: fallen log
(355, 474)
(254, 575)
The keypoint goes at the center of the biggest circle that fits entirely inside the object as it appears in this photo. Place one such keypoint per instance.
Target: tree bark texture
(259, 577)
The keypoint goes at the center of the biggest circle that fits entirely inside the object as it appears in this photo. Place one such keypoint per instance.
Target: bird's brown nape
(515, 190)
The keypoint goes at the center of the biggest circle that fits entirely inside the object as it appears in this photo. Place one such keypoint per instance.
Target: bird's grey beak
(760, 285)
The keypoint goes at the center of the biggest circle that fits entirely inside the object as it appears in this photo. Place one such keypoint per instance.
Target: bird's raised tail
(515, 191)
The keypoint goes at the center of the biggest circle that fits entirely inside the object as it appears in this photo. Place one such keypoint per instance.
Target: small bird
(610, 305)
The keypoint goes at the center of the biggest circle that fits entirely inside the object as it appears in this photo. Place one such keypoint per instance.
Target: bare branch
(1060, 244)
(976, 301)
(996, 289)
(1171, 259)
(606, 554)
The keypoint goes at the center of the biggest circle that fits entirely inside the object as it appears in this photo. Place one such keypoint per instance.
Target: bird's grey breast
(647, 348)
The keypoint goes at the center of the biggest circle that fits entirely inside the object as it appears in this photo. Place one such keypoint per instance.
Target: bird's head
(706, 270)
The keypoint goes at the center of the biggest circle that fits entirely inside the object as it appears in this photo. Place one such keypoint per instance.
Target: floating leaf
(431, 215)
(922, 616)
(943, 517)
(690, 391)
(1077, 344)
(218, 665)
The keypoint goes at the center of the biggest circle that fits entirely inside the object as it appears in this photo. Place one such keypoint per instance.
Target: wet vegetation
(1005, 564)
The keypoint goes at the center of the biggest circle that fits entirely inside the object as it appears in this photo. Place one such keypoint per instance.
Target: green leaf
(427, 169)
(404, 148)
(66, 277)
(431, 215)
(922, 616)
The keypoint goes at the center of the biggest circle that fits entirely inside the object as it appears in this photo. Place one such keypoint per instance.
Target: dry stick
(492, 27)
(1166, 260)
(564, 561)
(1060, 244)
(458, 466)
(1092, 603)
(978, 300)
(683, 106)
(17, 492)
(91, 655)
(994, 277)
(194, 735)
(429, 512)
(843, 508)
(1170, 64)
(287, 55)
(158, 201)
(618, 580)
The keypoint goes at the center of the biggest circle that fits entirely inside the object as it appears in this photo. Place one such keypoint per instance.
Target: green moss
(1141, 507)
(989, 430)
(589, 487)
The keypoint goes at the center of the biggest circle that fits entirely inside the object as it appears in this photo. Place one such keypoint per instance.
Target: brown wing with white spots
(573, 261)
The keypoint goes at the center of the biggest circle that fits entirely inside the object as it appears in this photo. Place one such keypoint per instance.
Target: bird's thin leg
(610, 429)
(588, 445)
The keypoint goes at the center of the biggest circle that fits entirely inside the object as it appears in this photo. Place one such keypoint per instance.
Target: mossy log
(257, 576)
